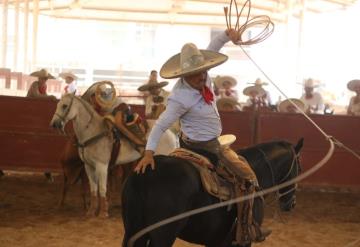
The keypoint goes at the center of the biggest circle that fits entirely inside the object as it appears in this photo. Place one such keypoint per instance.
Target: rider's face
(197, 80)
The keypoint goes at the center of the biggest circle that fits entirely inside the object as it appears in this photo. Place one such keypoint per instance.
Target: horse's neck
(87, 123)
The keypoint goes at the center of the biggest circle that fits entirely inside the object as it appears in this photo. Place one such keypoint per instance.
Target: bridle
(64, 116)
(294, 164)
(91, 139)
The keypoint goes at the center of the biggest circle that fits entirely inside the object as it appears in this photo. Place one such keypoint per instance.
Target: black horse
(174, 187)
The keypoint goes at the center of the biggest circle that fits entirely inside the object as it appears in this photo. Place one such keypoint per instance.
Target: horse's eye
(64, 107)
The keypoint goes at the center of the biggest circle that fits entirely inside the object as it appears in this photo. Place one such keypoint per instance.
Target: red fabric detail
(207, 95)
(66, 88)
(42, 89)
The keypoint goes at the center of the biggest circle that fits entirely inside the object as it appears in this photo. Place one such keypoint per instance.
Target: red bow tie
(207, 95)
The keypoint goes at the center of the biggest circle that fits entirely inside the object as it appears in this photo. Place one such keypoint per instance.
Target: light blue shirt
(199, 121)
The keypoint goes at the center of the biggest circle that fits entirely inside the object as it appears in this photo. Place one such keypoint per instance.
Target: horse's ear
(299, 145)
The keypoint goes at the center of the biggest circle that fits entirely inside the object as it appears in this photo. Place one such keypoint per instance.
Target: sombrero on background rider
(254, 91)
(104, 92)
(189, 61)
(68, 74)
(310, 83)
(152, 85)
(219, 81)
(42, 74)
(258, 82)
(353, 84)
(223, 102)
(285, 104)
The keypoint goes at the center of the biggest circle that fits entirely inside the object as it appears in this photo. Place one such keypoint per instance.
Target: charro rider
(192, 101)
(38, 89)
(156, 101)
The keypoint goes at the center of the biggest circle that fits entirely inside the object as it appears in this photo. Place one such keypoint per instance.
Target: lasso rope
(264, 34)
(257, 21)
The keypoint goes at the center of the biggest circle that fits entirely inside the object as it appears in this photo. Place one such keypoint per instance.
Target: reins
(294, 162)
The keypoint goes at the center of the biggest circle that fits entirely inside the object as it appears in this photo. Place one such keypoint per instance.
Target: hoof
(103, 215)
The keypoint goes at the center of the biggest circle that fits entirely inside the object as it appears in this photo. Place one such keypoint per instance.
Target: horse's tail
(132, 212)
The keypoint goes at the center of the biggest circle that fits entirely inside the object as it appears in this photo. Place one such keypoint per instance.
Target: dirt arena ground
(29, 217)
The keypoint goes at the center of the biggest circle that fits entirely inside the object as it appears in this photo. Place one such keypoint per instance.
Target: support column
(35, 31)
(26, 35)
(300, 56)
(16, 37)
(4, 33)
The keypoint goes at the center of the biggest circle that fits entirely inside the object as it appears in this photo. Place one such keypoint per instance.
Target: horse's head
(287, 195)
(64, 112)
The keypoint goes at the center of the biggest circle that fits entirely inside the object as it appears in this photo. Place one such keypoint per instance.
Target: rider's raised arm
(218, 41)
(174, 110)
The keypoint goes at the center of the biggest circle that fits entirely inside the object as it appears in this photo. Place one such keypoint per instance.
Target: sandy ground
(29, 217)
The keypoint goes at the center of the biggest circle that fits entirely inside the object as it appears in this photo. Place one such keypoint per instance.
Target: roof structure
(186, 12)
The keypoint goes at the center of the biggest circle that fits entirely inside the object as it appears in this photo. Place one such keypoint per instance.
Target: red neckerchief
(207, 95)
(42, 89)
(66, 88)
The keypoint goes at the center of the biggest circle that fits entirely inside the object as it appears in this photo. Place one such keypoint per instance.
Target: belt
(187, 139)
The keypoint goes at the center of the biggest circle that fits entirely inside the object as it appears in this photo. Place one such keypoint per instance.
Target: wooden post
(35, 31)
(4, 33)
(16, 36)
(26, 34)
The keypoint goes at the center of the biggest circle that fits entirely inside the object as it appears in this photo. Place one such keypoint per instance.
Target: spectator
(228, 104)
(286, 106)
(266, 99)
(156, 101)
(38, 88)
(354, 104)
(225, 85)
(313, 100)
(70, 80)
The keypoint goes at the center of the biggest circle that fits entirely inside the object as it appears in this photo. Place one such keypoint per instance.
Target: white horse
(95, 144)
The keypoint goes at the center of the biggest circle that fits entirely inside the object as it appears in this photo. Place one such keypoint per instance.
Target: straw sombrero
(42, 74)
(219, 81)
(191, 60)
(285, 104)
(152, 85)
(226, 140)
(258, 91)
(221, 103)
(353, 84)
(310, 82)
(104, 92)
(258, 82)
(68, 74)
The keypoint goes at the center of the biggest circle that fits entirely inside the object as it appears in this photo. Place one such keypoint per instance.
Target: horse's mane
(84, 102)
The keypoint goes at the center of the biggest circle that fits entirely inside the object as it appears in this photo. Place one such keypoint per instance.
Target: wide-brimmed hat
(190, 61)
(42, 74)
(104, 92)
(285, 104)
(222, 102)
(219, 81)
(258, 82)
(353, 84)
(310, 82)
(152, 85)
(226, 140)
(259, 91)
(68, 74)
